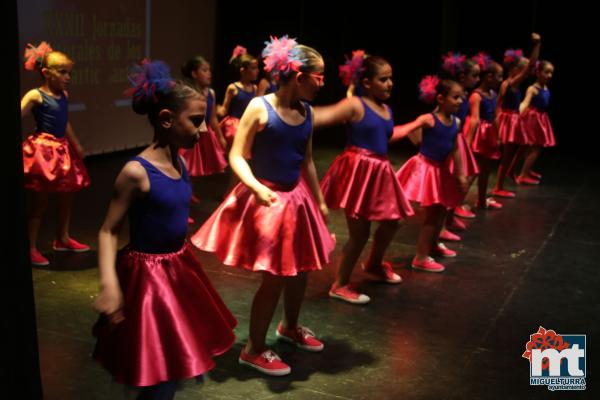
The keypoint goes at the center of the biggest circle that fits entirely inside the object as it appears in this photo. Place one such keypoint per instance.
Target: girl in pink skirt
(52, 155)
(427, 178)
(481, 128)
(238, 94)
(535, 121)
(207, 156)
(459, 68)
(273, 222)
(361, 180)
(509, 119)
(161, 319)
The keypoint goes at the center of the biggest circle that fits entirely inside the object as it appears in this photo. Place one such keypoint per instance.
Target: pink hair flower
(237, 52)
(352, 69)
(427, 88)
(483, 59)
(453, 62)
(281, 56)
(35, 55)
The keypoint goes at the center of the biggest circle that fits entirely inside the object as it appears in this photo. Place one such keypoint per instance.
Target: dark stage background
(413, 36)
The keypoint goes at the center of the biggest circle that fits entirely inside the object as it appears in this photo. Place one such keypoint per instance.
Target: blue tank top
(158, 222)
(272, 88)
(541, 101)
(463, 110)
(372, 132)
(512, 99)
(52, 115)
(278, 150)
(240, 101)
(487, 107)
(438, 141)
(209, 106)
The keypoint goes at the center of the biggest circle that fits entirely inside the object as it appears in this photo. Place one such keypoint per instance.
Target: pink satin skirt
(229, 127)
(206, 157)
(485, 140)
(469, 163)
(51, 164)
(538, 129)
(429, 182)
(510, 129)
(175, 321)
(363, 183)
(285, 239)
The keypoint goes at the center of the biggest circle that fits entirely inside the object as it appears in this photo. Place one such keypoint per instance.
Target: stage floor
(455, 335)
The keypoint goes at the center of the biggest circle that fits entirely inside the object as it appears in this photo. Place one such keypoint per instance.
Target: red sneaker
(449, 236)
(384, 273)
(463, 212)
(70, 245)
(535, 175)
(507, 194)
(527, 181)
(267, 362)
(456, 224)
(428, 265)
(302, 337)
(37, 258)
(347, 293)
(490, 204)
(442, 250)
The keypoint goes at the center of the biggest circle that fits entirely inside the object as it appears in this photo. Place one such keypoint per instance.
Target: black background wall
(413, 40)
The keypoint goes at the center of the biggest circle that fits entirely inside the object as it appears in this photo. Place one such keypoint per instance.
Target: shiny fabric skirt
(538, 129)
(363, 183)
(485, 140)
(206, 157)
(50, 164)
(469, 163)
(175, 321)
(229, 127)
(429, 182)
(285, 239)
(510, 129)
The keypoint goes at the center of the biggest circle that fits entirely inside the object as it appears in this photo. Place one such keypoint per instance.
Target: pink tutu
(206, 157)
(285, 239)
(429, 182)
(229, 127)
(509, 127)
(51, 165)
(537, 127)
(363, 183)
(469, 163)
(175, 321)
(485, 140)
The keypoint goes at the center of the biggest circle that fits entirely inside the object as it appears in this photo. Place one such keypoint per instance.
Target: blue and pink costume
(536, 123)
(485, 138)
(509, 119)
(49, 160)
(426, 177)
(361, 180)
(238, 105)
(175, 321)
(288, 237)
(206, 157)
(469, 163)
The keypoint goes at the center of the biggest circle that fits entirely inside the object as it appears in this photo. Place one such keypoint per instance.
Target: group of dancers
(161, 320)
